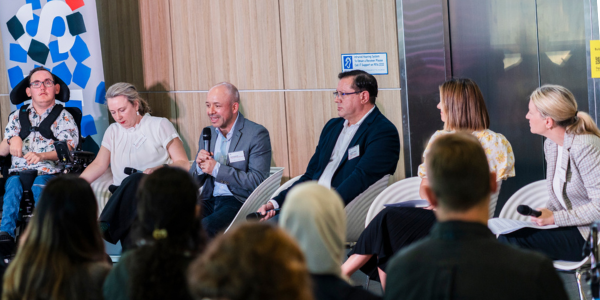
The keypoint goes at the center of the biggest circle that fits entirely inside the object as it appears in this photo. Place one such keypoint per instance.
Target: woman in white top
(572, 151)
(136, 140)
(462, 108)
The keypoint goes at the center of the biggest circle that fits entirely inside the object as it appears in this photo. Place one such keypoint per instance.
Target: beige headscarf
(315, 217)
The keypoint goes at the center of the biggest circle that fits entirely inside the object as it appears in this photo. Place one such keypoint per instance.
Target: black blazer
(379, 148)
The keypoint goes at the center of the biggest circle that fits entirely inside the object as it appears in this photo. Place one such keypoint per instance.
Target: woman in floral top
(462, 108)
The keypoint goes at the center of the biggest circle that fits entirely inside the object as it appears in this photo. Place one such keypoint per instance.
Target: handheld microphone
(206, 135)
(257, 215)
(528, 211)
(130, 171)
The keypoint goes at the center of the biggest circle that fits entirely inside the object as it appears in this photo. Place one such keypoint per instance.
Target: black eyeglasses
(38, 84)
(340, 94)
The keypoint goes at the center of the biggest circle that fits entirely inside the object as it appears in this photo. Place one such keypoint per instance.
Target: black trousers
(218, 212)
(563, 243)
(121, 211)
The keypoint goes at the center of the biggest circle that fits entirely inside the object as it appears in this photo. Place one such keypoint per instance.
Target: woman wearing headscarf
(315, 217)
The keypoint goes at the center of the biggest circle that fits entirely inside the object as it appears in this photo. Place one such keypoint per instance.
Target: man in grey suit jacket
(239, 159)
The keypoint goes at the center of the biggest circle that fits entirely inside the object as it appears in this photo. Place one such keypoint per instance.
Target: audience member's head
(253, 261)
(315, 217)
(169, 235)
(462, 106)
(458, 173)
(554, 105)
(61, 239)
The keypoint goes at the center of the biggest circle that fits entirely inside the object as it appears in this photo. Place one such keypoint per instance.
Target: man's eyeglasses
(340, 94)
(38, 84)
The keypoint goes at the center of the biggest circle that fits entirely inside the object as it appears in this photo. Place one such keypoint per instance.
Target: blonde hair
(558, 103)
(464, 106)
(129, 91)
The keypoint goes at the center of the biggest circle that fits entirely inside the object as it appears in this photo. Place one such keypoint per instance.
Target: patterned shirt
(64, 129)
(498, 150)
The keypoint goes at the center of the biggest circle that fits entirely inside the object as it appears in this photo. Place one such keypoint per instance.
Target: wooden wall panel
(226, 40)
(307, 113)
(136, 43)
(265, 108)
(316, 32)
(305, 124)
(162, 105)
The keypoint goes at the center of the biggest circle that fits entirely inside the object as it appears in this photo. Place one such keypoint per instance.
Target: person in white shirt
(354, 150)
(136, 140)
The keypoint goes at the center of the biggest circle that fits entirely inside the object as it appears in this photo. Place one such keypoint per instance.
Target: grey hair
(129, 91)
(231, 89)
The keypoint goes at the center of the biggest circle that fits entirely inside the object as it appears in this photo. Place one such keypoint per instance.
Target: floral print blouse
(64, 129)
(498, 150)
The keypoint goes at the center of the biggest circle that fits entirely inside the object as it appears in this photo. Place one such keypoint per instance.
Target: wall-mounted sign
(372, 63)
(595, 58)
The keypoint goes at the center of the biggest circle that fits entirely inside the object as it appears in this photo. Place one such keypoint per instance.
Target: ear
(28, 92)
(433, 200)
(56, 89)
(493, 183)
(364, 97)
(549, 123)
(235, 107)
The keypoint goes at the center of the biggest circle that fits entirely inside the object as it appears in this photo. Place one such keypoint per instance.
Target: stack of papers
(504, 226)
(409, 203)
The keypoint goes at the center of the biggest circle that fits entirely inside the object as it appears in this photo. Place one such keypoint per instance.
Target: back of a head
(464, 105)
(169, 233)
(558, 103)
(62, 236)
(253, 261)
(315, 217)
(458, 171)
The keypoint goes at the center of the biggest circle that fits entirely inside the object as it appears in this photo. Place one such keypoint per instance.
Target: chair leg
(367, 284)
(579, 275)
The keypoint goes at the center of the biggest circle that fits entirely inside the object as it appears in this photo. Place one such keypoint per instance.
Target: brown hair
(458, 171)
(464, 106)
(558, 103)
(252, 261)
(63, 238)
(129, 91)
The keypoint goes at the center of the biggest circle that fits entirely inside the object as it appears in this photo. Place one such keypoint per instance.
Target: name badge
(353, 152)
(139, 141)
(236, 156)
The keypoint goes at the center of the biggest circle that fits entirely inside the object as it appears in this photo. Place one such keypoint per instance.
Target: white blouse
(141, 147)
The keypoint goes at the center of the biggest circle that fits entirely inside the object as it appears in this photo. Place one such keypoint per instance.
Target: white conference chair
(100, 188)
(536, 195)
(259, 196)
(401, 191)
(357, 209)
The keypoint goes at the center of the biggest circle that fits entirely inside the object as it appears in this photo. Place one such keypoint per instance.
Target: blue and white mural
(62, 36)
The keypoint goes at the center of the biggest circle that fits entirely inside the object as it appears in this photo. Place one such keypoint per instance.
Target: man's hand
(33, 158)
(267, 211)
(16, 146)
(208, 165)
(547, 217)
(203, 155)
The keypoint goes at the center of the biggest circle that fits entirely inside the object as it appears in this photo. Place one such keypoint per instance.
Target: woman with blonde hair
(462, 108)
(572, 151)
(61, 255)
(251, 262)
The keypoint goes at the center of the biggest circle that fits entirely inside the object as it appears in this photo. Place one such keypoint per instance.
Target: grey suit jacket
(580, 180)
(241, 177)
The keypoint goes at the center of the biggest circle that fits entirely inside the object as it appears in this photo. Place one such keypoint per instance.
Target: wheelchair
(70, 161)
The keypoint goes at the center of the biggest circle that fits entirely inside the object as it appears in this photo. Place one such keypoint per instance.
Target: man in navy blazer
(239, 159)
(354, 150)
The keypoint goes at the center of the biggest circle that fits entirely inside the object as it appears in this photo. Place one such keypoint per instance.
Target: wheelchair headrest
(18, 95)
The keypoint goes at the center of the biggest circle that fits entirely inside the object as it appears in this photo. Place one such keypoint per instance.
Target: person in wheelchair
(33, 149)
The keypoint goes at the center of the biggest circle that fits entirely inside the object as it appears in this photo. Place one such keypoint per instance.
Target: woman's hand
(547, 217)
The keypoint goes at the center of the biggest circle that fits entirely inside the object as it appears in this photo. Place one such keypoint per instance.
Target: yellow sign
(595, 58)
